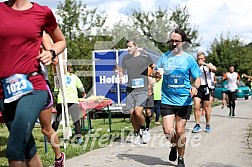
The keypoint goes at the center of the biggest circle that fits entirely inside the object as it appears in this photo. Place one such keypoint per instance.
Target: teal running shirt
(176, 78)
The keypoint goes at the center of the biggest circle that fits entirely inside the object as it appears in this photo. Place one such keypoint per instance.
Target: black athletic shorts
(182, 111)
(202, 93)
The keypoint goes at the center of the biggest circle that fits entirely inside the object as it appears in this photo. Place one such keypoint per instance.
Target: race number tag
(15, 87)
(176, 81)
(138, 83)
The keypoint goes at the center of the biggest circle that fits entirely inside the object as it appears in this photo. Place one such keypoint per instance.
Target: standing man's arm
(80, 87)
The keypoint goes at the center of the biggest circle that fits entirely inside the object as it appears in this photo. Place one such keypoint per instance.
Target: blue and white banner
(106, 81)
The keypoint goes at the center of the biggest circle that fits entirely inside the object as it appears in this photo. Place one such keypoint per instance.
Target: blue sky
(211, 17)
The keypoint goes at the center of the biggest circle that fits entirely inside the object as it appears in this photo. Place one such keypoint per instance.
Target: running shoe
(208, 129)
(173, 154)
(146, 136)
(233, 114)
(157, 123)
(138, 139)
(61, 162)
(181, 162)
(196, 128)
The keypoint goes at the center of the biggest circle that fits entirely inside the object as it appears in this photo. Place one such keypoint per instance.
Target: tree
(76, 19)
(77, 23)
(152, 29)
(227, 51)
(120, 32)
(156, 26)
(249, 52)
(180, 16)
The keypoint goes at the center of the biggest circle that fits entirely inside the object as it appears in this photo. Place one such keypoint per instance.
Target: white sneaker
(146, 136)
(138, 139)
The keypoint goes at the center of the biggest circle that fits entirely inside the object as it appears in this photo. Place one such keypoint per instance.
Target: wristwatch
(53, 54)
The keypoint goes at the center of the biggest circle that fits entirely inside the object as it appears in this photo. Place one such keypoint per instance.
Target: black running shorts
(182, 111)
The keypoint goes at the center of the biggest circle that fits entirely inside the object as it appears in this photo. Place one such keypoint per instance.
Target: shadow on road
(144, 159)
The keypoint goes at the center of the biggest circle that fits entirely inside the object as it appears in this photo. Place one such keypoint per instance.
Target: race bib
(15, 87)
(176, 81)
(137, 83)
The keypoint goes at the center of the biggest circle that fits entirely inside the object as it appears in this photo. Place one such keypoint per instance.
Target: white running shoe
(146, 136)
(138, 139)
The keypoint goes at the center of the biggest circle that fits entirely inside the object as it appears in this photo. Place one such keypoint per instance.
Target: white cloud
(147, 5)
(113, 13)
(216, 17)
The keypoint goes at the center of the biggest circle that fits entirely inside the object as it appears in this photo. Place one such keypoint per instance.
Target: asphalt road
(228, 145)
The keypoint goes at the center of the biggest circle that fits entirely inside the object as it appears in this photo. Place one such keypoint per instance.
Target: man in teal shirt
(177, 91)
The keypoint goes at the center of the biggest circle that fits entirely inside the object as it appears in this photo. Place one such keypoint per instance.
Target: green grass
(100, 129)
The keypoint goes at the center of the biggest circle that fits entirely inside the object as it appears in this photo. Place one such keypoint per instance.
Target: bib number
(137, 83)
(15, 87)
(176, 81)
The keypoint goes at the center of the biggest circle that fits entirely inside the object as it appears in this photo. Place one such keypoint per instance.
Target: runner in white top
(203, 95)
(233, 81)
